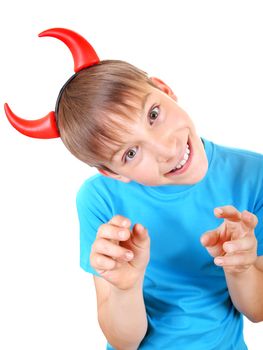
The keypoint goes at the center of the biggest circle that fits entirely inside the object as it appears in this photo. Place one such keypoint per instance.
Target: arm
(246, 290)
(121, 310)
(121, 314)
(234, 247)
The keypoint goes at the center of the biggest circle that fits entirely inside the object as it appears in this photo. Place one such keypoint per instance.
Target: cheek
(182, 118)
(146, 171)
(141, 172)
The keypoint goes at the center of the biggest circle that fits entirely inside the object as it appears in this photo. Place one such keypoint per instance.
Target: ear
(162, 86)
(115, 176)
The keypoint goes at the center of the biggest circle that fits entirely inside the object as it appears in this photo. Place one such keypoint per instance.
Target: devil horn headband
(84, 56)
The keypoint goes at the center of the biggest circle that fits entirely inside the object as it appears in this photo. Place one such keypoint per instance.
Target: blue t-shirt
(186, 297)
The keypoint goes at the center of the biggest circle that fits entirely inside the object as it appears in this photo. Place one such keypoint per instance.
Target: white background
(209, 52)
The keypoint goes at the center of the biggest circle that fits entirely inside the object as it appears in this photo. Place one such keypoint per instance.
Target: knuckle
(97, 245)
(120, 217)
(100, 245)
(232, 209)
(92, 260)
(118, 251)
(228, 207)
(255, 219)
(122, 233)
(115, 219)
(106, 248)
(107, 231)
(240, 260)
(102, 228)
(99, 261)
(93, 248)
(111, 264)
(120, 220)
(246, 266)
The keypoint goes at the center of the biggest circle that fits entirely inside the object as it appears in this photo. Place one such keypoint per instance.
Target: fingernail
(203, 241)
(125, 223)
(122, 234)
(128, 255)
(230, 248)
(219, 211)
(248, 216)
(140, 227)
(218, 261)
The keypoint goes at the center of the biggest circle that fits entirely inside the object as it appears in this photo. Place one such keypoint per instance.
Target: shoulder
(243, 160)
(100, 185)
(104, 191)
(91, 190)
(89, 185)
(237, 152)
(93, 204)
(94, 185)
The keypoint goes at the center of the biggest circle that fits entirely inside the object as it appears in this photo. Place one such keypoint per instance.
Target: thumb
(140, 237)
(210, 238)
(140, 242)
(211, 241)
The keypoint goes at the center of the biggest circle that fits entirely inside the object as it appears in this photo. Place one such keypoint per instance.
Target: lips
(184, 167)
(179, 159)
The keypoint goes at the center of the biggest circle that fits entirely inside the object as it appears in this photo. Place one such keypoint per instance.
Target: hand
(119, 255)
(233, 244)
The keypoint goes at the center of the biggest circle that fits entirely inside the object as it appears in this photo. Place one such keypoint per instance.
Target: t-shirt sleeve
(93, 211)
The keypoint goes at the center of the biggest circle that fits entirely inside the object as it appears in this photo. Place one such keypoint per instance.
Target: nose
(164, 146)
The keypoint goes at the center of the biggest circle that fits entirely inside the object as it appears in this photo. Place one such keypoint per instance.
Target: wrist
(239, 272)
(135, 287)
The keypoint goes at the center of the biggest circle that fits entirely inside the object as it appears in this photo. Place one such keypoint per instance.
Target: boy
(171, 228)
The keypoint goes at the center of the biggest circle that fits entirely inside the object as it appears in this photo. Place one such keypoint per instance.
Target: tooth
(184, 160)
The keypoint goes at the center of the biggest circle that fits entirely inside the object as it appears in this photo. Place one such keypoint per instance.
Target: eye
(154, 113)
(130, 154)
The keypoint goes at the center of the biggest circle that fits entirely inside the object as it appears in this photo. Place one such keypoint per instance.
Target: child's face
(158, 143)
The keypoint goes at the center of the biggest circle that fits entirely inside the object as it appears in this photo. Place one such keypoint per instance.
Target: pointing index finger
(228, 212)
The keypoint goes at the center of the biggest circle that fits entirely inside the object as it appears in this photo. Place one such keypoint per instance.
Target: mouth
(184, 162)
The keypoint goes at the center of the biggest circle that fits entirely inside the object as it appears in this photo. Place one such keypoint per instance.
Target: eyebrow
(144, 102)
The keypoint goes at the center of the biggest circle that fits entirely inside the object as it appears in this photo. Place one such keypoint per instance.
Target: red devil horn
(83, 53)
(84, 56)
(44, 128)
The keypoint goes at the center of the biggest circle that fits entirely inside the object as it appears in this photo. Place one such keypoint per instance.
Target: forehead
(131, 111)
(120, 124)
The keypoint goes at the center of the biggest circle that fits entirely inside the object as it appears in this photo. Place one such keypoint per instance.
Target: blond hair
(96, 108)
